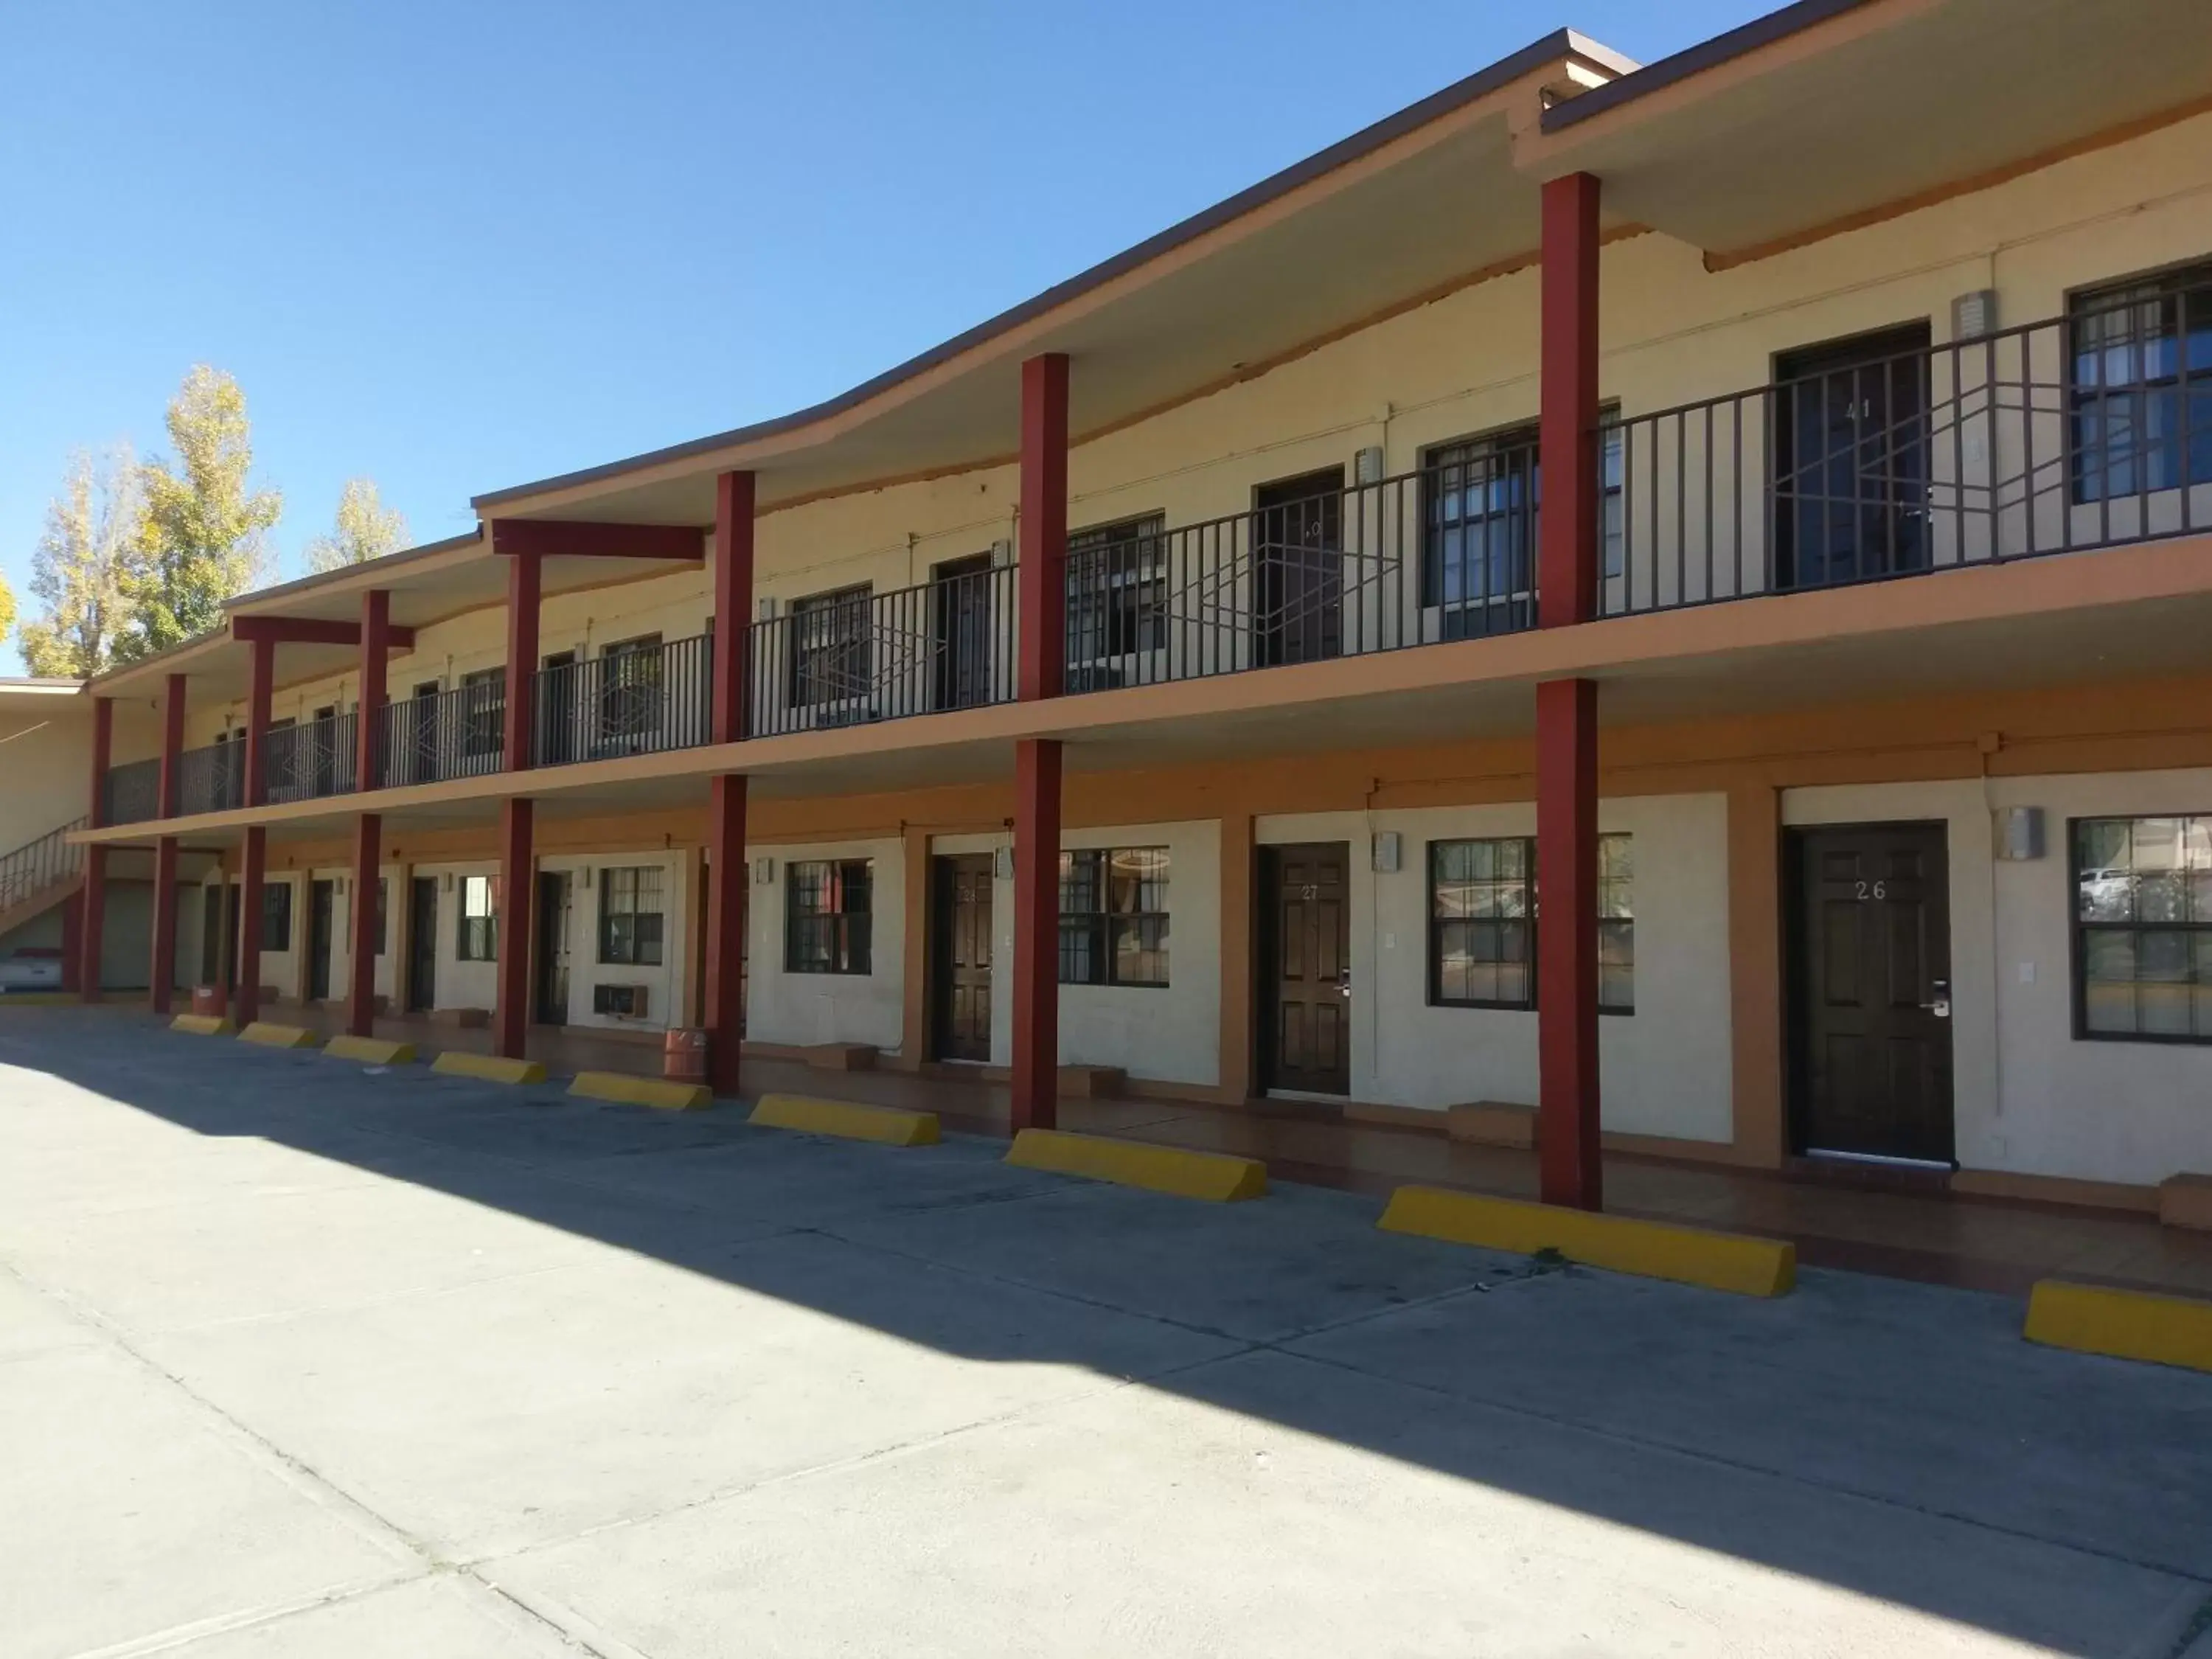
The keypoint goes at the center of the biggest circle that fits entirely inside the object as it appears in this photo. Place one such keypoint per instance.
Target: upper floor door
(1850, 459)
(1297, 568)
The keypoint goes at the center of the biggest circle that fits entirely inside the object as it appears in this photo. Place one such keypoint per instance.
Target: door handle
(1344, 980)
(1941, 1005)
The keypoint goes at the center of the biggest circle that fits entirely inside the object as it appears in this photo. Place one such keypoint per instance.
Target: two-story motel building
(1180, 673)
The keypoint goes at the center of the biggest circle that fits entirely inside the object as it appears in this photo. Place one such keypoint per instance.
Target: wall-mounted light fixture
(1002, 864)
(764, 872)
(1389, 849)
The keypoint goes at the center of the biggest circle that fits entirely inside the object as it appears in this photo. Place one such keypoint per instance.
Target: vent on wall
(622, 1001)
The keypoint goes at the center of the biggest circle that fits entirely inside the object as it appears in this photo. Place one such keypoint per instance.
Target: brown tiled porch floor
(1983, 1243)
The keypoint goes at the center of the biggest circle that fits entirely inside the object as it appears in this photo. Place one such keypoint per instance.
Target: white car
(31, 967)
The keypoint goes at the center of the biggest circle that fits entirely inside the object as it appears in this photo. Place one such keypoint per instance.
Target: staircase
(39, 875)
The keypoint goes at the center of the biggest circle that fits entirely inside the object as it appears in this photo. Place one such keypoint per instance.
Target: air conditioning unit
(620, 1001)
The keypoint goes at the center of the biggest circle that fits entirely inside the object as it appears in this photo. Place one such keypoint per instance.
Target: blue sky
(458, 245)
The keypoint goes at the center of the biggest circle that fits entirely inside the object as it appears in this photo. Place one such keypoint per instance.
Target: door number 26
(1867, 889)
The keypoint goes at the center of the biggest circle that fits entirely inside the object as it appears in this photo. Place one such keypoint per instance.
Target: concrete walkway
(297, 1357)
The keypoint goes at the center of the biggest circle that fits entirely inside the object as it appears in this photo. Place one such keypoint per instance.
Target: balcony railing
(2054, 437)
(33, 868)
(634, 700)
(311, 760)
(212, 779)
(851, 658)
(131, 793)
(459, 733)
(2092, 430)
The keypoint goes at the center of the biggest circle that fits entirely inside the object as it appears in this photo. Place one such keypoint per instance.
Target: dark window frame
(625, 937)
(2181, 296)
(1094, 921)
(1437, 923)
(2078, 932)
(825, 930)
(833, 646)
(277, 916)
(484, 711)
(1518, 442)
(1621, 923)
(475, 938)
(1117, 594)
(632, 675)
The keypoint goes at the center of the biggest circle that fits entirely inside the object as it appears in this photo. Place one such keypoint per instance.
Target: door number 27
(1867, 889)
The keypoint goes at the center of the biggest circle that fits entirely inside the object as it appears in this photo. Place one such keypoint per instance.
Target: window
(1616, 925)
(831, 661)
(1481, 934)
(1114, 916)
(630, 915)
(2141, 384)
(826, 917)
(1116, 597)
(2142, 922)
(1479, 498)
(484, 711)
(277, 916)
(478, 939)
(1478, 551)
(629, 690)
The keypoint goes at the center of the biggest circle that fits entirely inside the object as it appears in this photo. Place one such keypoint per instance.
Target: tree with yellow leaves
(366, 529)
(205, 533)
(81, 569)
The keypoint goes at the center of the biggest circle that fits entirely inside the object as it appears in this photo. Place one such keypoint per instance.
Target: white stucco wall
(664, 982)
(805, 1008)
(1665, 1069)
(1166, 1035)
(2028, 1096)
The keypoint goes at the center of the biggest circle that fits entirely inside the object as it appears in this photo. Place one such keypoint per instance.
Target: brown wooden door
(961, 970)
(1871, 993)
(556, 894)
(1850, 445)
(1306, 967)
(1297, 568)
(322, 906)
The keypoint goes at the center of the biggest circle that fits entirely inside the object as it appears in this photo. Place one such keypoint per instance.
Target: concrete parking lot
(298, 1358)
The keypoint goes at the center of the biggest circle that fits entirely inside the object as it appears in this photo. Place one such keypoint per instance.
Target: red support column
(724, 992)
(368, 714)
(161, 971)
(1042, 594)
(1567, 1123)
(95, 921)
(360, 989)
(1566, 943)
(1042, 573)
(261, 689)
(733, 606)
(524, 574)
(253, 871)
(511, 1011)
(726, 932)
(173, 741)
(93, 901)
(1036, 933)
(1567, 569)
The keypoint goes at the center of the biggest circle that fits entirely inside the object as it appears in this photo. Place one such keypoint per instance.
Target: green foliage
(7, 607)
(366, 530)
(81, 570)
(204, 533)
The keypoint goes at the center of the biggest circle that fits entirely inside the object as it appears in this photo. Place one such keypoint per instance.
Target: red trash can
(684, 1055)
